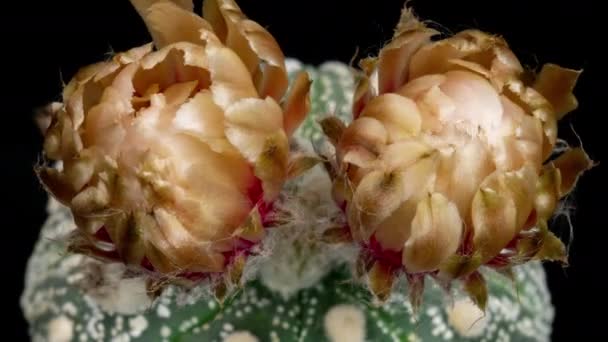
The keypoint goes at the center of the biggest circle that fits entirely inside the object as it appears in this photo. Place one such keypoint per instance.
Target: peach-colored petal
(256, 47)
(176, 63)
(249, 122)
(271, 75)
(272, 163)
(364, 89)
(476, 102)
(252, 230)
(91, 200)
(534, 103)
(381, 278)
(168, 23)
(571, 165)
(494, 216)
(436, 231)
(548, 192)
(432, 102)
(142, 6)
(393, 232)
(394, 59)
(172, 238)
(399, 156)
(201, 117)
(230, 81)
(461, 172)
(333, 128)
(297, 103)
(556, 84)
(375, 198)
(398, 114)
(364, 134)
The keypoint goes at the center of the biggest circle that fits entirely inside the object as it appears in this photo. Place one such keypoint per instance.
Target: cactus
(71, 297)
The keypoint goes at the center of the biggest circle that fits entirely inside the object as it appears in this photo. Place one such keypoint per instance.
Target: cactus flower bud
(445, 165)
(172, 156)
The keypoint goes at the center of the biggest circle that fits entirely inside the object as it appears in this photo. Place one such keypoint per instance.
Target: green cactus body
(336, 309)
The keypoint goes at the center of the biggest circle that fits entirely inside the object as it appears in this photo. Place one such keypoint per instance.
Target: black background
(44, 42)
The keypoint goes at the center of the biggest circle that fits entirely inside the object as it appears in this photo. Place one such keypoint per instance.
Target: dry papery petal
(447, 161)
(172, 157)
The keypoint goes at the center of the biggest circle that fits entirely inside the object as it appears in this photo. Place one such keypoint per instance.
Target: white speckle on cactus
(241, 336)
(345, 323)
(248, 308)
(412, 337)
(280, 309)
(70, 309)
(60, 329)
(162, 311)
(165, 331)
(83, 337)
(137, 325)
(211, 304)
(206, 326)
(467, 318)
(228, 327)
(274, 337)
(285, 325)
(122, 338)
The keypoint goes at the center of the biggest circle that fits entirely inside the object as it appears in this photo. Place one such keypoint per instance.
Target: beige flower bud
(172, 157)
(445, 155)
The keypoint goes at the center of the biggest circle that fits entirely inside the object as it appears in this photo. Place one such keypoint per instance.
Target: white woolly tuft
(296, 257)
(113, 291)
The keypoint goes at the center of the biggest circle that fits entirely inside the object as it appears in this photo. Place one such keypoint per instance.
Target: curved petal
(201, 117)
(297, 103)
(366, 135)
(175, 63)
(172, 239)
(375, 198)
(249, 122)
(230, 80)
(398, 114)
(256, 47)
(494, 217)
(534, 103)
(401, 155)
(393, 232)
(571, 165)
(556, 84)
(548, 190)
(435, 234)
(394, 59)
(476, 102)
(168, 23)
(142, 6)
(271, 164)
(460, 174)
